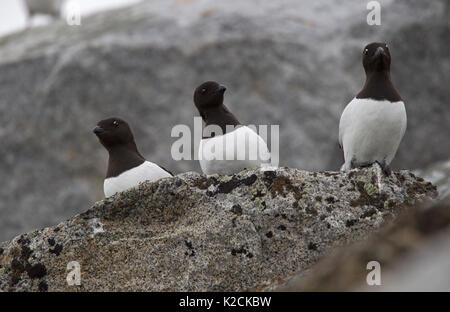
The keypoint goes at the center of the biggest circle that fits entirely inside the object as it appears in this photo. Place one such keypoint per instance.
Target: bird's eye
(115, 123)
(366, 51)
(203, 90)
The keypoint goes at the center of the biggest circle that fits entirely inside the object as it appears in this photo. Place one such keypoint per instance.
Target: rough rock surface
(216, 233)
(439, 175)
(413, 253)
(292, 63)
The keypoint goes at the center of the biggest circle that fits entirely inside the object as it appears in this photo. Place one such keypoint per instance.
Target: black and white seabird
(374, 122)
(238, 146)
(126, 166)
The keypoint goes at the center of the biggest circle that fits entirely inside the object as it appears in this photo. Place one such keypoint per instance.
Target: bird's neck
(378, 77)
(122, 158)
(378, 86)
(219, 116)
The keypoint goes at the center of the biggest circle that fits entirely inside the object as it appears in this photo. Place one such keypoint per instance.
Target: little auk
(374, 122)
(231, 147)
(126, 166)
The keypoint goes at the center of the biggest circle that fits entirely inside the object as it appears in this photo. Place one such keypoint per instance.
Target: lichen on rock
(209, 233)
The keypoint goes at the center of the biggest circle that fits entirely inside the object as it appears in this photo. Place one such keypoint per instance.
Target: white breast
(371, 130)
(130, 178)
(233, 152)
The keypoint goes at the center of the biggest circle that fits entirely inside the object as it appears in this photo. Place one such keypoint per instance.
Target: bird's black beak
(379, 51)
(221, 89)
(98, 130)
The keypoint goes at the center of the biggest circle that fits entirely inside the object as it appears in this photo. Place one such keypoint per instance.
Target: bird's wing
(344, 123)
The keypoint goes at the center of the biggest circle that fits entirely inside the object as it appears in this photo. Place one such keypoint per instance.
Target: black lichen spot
(188, 244)
(51, 241)
(368, 213)
(36, 271)
(295, 205)
(191, 248)
(250, 180)
(350, 223)
(318, 198)
(17, 266)
(312, 246)
(43, 286)
(56, 229)
(25, 253)
(322, 217)
(229, 186)
(330, 199)
(203, 183)
(250, 255)
(241, 250)
(282, 227)
(281, 185)
(57, 250)
(23, 241)
(269, 234)
(237, 209)
(269, 176)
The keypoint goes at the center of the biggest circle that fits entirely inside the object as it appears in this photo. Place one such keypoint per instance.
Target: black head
(113, 132)
(209, 94)
(376, 57)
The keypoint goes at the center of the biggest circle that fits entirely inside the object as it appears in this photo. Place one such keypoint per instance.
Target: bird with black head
(126, 166)
(227, 146)
(373, 124)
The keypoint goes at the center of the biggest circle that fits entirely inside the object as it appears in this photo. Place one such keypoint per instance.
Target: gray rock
(439, 175)
(292, 63)
(215, 233)
(413, 254)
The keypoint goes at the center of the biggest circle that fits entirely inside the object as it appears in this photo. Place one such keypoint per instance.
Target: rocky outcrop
(439, 175)
(413, 254)
(291, 63)
(210, 233)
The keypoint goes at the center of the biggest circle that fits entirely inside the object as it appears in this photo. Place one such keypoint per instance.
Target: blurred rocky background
(413, 253)
(291, 63)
